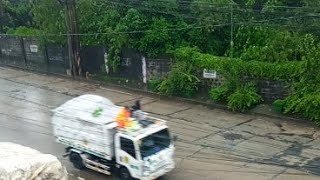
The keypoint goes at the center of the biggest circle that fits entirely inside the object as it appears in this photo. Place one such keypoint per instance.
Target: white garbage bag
(23, 163)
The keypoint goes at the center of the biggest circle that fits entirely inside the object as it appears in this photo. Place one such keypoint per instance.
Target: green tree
(49, 17)
(16, 13)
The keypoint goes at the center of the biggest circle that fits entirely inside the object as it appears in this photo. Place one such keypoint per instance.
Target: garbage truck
(87, 126)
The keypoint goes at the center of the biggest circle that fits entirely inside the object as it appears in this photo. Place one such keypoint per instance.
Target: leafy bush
(243, 98)
(308, 105)
(180, 81)
(237, 68)
(278, 105)
(219, 93)
(222, 92)
(279, 102)
(23, 31)
(305, 96)
(153, 84)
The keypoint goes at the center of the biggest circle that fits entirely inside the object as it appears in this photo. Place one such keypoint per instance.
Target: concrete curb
(155, 95)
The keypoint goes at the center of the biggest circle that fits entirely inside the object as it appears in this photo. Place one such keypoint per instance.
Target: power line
(235, 4)
(139, 7)
(152, 10)
(192, 17)
(200, 4)
(168, 29)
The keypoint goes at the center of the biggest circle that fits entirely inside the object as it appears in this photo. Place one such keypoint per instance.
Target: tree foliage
(156, 27)
(15, 13)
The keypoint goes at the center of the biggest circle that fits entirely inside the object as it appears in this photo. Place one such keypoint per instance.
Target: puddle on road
(293, 157)
(312, 166)
(232, 136)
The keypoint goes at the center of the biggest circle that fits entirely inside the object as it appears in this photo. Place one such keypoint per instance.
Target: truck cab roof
(154, 125)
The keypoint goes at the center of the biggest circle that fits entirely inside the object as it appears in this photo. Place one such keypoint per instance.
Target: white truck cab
(96, 142)
(146, 155)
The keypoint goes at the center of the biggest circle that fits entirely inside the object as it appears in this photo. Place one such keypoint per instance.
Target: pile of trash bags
(23, 163)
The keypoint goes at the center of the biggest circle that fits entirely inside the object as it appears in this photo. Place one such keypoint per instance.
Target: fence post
(106, 65)
(144, 70)
(23, 52)
(1, 58)
(46, 56)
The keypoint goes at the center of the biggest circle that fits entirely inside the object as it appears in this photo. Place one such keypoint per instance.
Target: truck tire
(76, 160)
(124, 174)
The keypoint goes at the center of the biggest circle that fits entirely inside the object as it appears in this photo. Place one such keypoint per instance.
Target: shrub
(219, 93)
(305, 99)
(278, 105)
(180, 81)
(153, 84)
(243, 98)
(307, 105)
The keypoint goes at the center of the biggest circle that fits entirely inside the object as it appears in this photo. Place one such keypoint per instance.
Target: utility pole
(1, 15)
(72, 35)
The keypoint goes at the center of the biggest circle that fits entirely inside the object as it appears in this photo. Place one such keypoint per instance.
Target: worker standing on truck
(123, 118)
(136, 106)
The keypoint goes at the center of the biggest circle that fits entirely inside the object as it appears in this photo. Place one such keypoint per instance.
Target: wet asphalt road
(213, 144)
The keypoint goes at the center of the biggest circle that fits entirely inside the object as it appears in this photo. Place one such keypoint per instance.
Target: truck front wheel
(76, 160)
(124, 174)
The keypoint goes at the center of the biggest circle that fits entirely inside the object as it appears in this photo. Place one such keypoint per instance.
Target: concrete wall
(270, 90)
(30, 54)
(158, 68)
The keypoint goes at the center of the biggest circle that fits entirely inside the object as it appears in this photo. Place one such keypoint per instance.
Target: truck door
(127, 156)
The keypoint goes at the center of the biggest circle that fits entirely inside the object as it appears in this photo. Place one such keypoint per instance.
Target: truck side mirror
(175, 138)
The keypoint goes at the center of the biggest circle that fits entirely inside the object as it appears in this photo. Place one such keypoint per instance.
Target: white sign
(34, 48)
(209, 74)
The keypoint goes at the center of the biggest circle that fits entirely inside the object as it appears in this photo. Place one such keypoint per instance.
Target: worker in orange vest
(123, 118)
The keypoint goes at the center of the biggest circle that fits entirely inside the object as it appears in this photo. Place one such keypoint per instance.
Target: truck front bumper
(160, 172)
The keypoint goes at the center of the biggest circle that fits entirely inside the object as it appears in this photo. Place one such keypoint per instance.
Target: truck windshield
(154, 143)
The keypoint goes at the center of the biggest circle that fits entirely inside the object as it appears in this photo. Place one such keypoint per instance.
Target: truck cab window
(154, 143)
(128, 146)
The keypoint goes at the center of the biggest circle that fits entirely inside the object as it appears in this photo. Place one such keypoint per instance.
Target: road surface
(212, 145)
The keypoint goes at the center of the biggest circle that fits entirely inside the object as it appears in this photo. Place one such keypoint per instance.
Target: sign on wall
(209, 74)
(126, 62)
(34, 48)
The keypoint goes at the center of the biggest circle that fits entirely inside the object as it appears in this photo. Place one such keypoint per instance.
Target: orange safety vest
(123, 118)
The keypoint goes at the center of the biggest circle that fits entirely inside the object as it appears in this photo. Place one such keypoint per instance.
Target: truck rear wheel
(124, 174)
(76, 160)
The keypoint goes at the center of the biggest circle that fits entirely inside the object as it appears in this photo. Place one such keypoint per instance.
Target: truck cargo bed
(75, 124)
